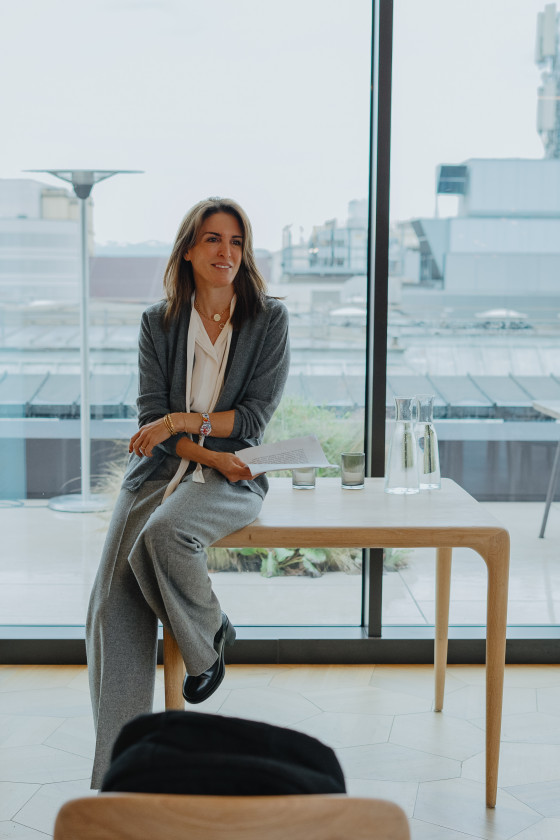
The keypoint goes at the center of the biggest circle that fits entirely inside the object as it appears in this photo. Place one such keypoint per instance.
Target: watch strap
(206, 427)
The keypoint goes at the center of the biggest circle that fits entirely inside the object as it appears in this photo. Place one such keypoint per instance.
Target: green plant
(336, 432)
(312, 562)
(109, 482)
(395, 559)
(285, 561)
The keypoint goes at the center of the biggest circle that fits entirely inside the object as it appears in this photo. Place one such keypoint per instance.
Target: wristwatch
(206, 427)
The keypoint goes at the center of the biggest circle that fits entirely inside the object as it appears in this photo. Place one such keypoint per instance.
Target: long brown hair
(178, 280)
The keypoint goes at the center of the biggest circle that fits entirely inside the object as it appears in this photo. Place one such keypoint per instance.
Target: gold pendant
(216, 318)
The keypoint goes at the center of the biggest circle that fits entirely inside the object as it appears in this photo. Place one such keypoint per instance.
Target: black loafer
(198, 689)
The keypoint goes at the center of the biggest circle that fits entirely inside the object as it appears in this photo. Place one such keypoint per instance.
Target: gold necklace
(217, 318)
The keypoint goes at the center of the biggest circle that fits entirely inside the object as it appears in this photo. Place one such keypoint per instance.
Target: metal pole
(85, 442)
(82, 181)
(551, 488)
(86, 501)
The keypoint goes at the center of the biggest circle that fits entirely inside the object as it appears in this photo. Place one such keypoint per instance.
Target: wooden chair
(173, 672)
(149, 816)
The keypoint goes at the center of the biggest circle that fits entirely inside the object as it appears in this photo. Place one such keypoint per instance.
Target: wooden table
(552, 409)
(443, 519)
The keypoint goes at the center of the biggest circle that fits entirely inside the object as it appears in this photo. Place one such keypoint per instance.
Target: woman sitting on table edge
(213, 362)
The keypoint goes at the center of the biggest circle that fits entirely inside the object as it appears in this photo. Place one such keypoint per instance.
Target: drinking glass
(353, 470)
(303, 478)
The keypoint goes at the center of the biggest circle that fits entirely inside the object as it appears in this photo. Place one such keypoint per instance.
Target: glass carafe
(429, 476)
(402, 473)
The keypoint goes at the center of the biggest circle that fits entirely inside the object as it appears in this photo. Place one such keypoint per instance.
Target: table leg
(443, 584)
(497, 561)
(551, 488)
(173, 673)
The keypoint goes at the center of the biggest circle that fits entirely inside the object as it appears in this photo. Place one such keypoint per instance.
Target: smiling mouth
(221, 265)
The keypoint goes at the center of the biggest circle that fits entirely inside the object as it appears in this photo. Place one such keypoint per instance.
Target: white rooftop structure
(39, 242)
(505, 238)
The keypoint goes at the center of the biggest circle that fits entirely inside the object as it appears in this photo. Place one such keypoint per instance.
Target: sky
(265, 103)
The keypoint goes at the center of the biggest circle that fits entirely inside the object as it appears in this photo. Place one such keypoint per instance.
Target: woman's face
(216, 256)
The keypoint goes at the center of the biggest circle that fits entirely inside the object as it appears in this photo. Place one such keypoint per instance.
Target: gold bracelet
(169, 423)
(166, 424)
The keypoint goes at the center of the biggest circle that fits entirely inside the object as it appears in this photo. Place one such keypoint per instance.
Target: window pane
(474, 300)
(266, 104)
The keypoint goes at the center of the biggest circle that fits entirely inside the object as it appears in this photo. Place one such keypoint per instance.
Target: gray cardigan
(256, 372)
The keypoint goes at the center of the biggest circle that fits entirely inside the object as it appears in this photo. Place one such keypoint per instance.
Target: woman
(213, 361)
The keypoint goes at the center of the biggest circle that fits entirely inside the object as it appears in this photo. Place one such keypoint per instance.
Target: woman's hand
(232, 467)
(143, 442)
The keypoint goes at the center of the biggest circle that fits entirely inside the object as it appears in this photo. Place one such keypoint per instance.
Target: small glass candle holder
(303, 478)
(353, 466)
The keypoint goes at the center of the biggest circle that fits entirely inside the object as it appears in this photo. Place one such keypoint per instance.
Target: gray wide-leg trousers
(154, 566)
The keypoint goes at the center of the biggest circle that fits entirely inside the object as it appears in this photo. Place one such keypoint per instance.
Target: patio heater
(83, 181)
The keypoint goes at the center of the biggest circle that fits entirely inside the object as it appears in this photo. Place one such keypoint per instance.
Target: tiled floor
(379, 719)
(48, 561)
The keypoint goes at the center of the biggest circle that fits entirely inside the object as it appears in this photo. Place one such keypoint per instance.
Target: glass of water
(353, 466)
(303, 478)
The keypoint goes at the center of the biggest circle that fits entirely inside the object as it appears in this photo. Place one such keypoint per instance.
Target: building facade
(39, 243)
(505, 238)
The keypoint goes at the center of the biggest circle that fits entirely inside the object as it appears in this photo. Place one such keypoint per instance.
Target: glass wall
(268, 105)
(474, 295)
(271, 107)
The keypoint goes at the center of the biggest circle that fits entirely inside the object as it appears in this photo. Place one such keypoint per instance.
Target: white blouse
(209, 359)
(206, 367)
